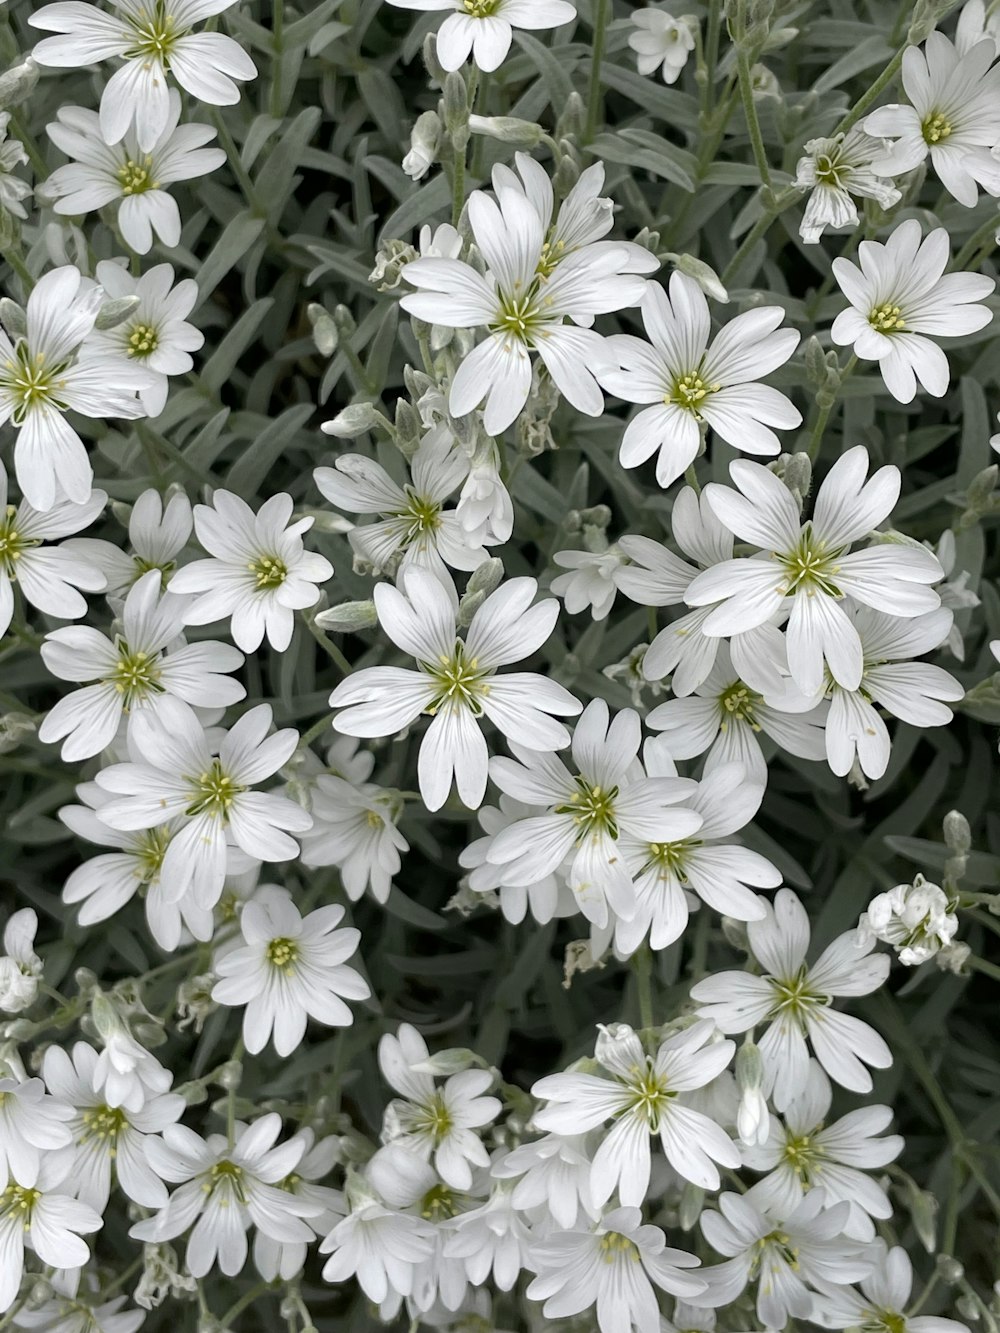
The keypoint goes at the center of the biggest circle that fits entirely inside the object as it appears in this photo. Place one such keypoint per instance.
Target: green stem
(823, 416)
(316, 730)
(245, 1300)
(331, 649)
(457, 187)
(243, 178)
(875, 91)
(231, 1102)
(642, 962)
(753, 124)
(988, 969)
(986, 233)
(18, 130)
(691, 477)
(15, 260)
(784, 200)
(595, 104)
(123, 1277)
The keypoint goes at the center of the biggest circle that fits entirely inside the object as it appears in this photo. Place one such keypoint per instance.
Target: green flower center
(438, 1204)
(883, 1321)
(793, 997)
(269, 571)
(649, 1095)
(935, 128)
(689, 392)
(481, 9)
(521, 315)
(18, 1199)
(151, 849)
(226, 1176)
(105, 1123)
(671, 857)
(738, 703)
(435, 1119)
(214, 792)
(886, 318)
(421, 516)
(283, 954)
(810, 566)
(143, 340)
(614, 1246)
(459, 681)
(779, 1241)
(592, 808)
(828, 171)
(136, 177)
(551, 255)
(12, 544)
(31, 382)
(155, 33)
(803, 1155)
(135, 675)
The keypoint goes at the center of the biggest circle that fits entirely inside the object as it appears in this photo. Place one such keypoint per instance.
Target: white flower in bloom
(354, 829)
(414, 522)
(107, 1139)
(661, 42)
(283, 1259)
(692, 383)
(835, 171)
(492, 1241)
(13, 190)
(795, 1001)
(781, 1252)
(547, 897)
(433, 1122)
(152, 40)
(126, 1075)
(616, 1267)
(484, 28)
(457, 681)
(916, 692)
(975, 25)
(47, 1221)
(155, 335)
(291, 970)
(52, 368)
(484, 503)
(124, 174)
(708, 866)
(917, 919)
(523, 309)
(898, 296)
(953, 117)
(133, 671)
(641, 1096)
(224, 1191)
(32, 1126)
(725, 716)
(583, 218)
(177, 772)
(20, 966)
(71, 1311)
(552, 1173)
(580, 817)
(259, 573)
(380, 1246)
(158, 530)
(590, 582)
(882, 1302)
(812, 564)
(805, 1151)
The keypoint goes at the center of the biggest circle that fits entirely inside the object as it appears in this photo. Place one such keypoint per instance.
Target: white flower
(812, 564)
(710, 864)
(33, 1126)
(107, 1140)
(806, 1152)
(457, 681)
(882, 1301)
(661, 42)
(177, 772)
(291, 970)
(725, 716)
(782, 1252)
(523, 309)
(492, 1241)
(20, 966)
(433, 1122)
(153, 41)
(975, 25)
(916, 919)
(55, 367)
(126, 1075)
(224, 1190)
(692, 384)
(425, 139)
(259, 575)
(414, 521)
(70, 1310)
(795, 1001)
(158, 531)
(381, 1247)
(590, 582)
(641, 1096)
(12, 189)
(484, 28)
(899, 295)
(581, 817)
(547, 897)
(484, 503)
(835, 170)
(553, 1174)
(155, 335)
(134, 672)
(953, 116)
(47, 1221)
(354, 829)
(122, 173)
(916, 692)
(48, 576)
(283, 1259)
(616, 1267)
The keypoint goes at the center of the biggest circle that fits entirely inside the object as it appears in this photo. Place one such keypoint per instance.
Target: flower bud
(704, 275)
(18, 83)
(957, 834)
(347, 618)
(486, 578)
(12, 317)
(425, 140)
(355, 420)
(455, 105)
(324, 331)
(508, 129)
(115, 312)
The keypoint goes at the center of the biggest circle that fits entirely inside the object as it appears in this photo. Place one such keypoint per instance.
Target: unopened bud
(229, 1075)
(957, 834)
(18, 83)
(12, 317)
(433, 66)
(347, 618)
(485, 578)
(455, 104)
(566, 176)
(425, 140)
(324, 330)
(704, 275)
(355, 420)
(949, 1269)
(408, 427)
(344, 320)
(573, 117)
(468, 606)
(508, 129)
(115, 312)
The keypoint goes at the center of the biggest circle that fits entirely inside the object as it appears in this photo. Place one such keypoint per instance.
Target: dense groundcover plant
(498, 666)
